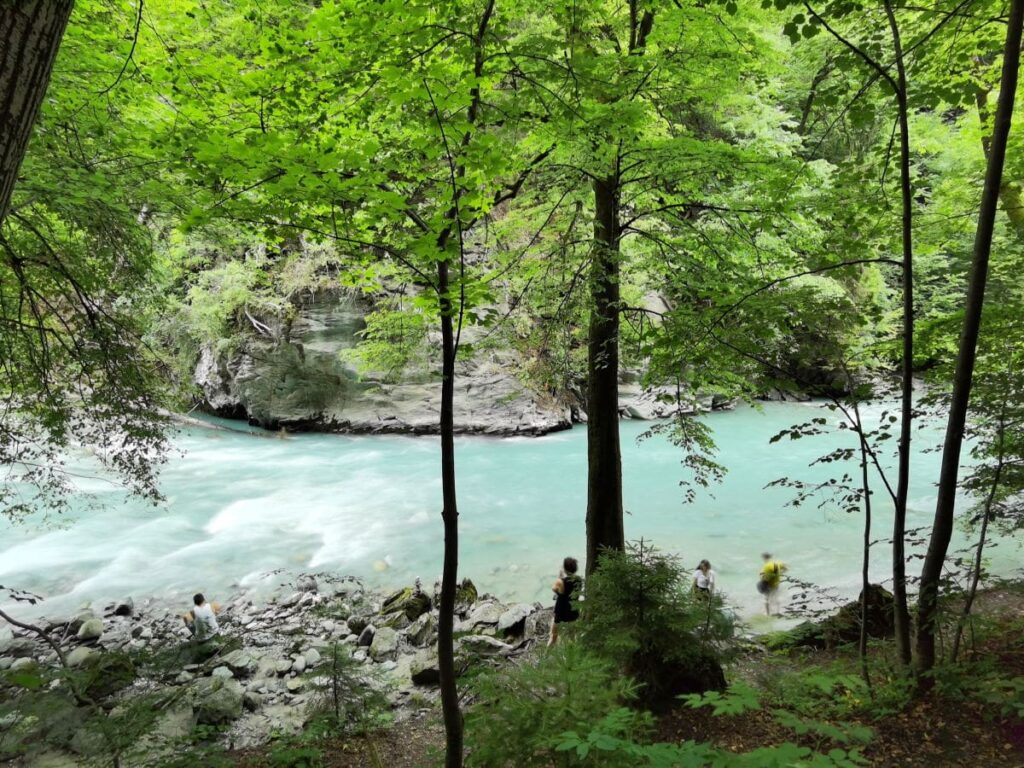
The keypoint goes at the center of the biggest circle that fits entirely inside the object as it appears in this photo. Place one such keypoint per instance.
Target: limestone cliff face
(305, 383)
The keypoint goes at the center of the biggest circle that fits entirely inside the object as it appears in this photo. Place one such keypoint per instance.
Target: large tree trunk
(450, 515)
(604, 475)
(899, 525)
(963, 377)
(30, 31)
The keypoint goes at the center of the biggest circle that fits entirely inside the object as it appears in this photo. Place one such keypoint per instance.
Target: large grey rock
(483, 645)
(384, 645)
(312, 657)
(81, 655)
(513, 621)
(125, 608)
(423, 669)
(217, 701)
(280, 383)
(484, 614)
(23, 664)
(306, 583)
(240, 662)
(91, 629)
(366, 636)
(423, 631)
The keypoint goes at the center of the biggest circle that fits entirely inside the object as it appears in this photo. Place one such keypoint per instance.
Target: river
(245, 510)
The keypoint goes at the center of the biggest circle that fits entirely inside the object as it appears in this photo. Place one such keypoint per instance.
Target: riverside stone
(483, 645)
(299, 665)
(81, 655)
(513, 621)
(217, 700)
(384, 645)
(306, 583)
(312, 657)
(91, 629)
(125, 608)
(366, 636)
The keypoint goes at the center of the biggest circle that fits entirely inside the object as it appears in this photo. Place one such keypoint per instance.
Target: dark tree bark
(899, 525)
(450, 516)
(963, 376)
(604, 464)
(30, 35)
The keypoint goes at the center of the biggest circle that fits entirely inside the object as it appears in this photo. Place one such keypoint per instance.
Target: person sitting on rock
(202, 619)
(566, 583)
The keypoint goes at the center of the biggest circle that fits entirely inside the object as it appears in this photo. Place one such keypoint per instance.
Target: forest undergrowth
(782, 708)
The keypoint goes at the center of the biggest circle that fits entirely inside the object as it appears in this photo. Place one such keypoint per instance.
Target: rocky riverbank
(267, 672)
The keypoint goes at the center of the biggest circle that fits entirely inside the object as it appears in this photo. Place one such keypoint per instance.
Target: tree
(931, 570)
(31, 31)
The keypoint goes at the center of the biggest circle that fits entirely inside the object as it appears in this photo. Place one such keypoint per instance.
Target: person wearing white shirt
(704, 579)
(202, 619)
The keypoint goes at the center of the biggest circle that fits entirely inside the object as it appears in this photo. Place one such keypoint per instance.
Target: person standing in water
(564, 586)
(704, 579)
(768, 581)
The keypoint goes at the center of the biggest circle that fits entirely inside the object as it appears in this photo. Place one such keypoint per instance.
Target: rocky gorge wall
(304, 383)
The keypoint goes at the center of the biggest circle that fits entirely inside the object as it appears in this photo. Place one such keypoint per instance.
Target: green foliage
(347, 697)
(641, 614)
(735, 700)
(537, 703)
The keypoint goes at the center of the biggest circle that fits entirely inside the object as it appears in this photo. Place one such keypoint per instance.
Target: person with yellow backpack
(768, 581)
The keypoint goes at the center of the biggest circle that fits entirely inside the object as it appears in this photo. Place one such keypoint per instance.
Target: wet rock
(306, 583)
(125, 608)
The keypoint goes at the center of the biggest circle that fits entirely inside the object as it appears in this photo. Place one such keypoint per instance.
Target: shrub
(523, 713)
(641, 615)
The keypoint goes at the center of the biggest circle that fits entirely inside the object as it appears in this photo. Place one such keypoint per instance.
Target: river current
(246, 510)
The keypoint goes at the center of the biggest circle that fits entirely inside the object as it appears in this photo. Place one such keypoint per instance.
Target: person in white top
(704, 579)
(202, 619)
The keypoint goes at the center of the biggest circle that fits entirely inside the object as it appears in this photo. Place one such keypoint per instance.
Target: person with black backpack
(565, 585)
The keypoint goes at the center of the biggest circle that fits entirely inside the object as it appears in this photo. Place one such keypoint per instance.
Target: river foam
(242, 508)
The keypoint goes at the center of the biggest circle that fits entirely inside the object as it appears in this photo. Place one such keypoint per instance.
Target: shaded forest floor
(959, 724)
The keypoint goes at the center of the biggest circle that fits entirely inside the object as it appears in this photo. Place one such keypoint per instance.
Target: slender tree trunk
(865, 578)
(30, 35)
(963, 377)
(450, 515)
(986, 514)
(901, 613)
(604, 475)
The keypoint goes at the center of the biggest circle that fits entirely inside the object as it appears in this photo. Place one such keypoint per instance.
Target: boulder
(366, 636)
(240, 662)
(423, 669)
(356, 624)
(299, 665)
(483, 645)
(513, 621)
(217, 701)
(306, 583)
(91, 629)
(295, 684)
(423, 631)
(81, 655)
(125, 608)
(843, 627)
(411, 602)
(465, 596)
(22, 664)
(222, 672)
(312, 657)
(483, 615)
(384, 645)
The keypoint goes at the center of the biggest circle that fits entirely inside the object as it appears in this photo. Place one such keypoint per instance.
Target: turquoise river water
(245, 510)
